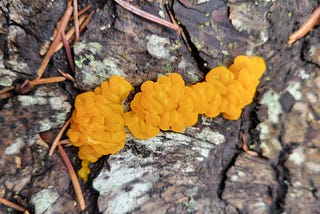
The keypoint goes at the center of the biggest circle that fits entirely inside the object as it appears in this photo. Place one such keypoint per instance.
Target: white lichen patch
(32, 100)
(96, 71)
(203, 1)
(135, 172)
(297, 156)
(161, 14)
(234, 178)
(21, 67)
(79, 47)
(303, 74)
(271, 100)
(43, 199)
(264, 131)
(57, 103)
(210, 136)
(86, 52)
(270, 145)
(159, 47)
(45, 124)
(15, 147)
(6, 76)
(109, 181)
(191, 73)
(93, 47)
(173, 140)
(112, 67)
(270, 148)
(294, 88)
(123, 202)
(116, 184)
(241, 174)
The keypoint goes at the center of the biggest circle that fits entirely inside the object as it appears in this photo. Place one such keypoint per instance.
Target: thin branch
(68, 50)
(58, 137)
(70, 34)
(28, 85)
(65, 142)
(62, 24)
(306, 27)
(85, 9)
(66, 75)
(12, 205)
(146, 15)
(86, 21)
(5, 96)
(73, 177)
(47, 80)
(6, 89)
(180, 31)
(75, 19)
(245, 146)
(71, 31)
(5, 92)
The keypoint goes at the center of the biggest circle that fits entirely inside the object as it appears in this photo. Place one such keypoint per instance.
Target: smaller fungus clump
(97, 125)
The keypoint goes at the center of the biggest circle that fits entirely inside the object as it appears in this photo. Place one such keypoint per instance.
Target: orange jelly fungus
(97, 125)
(170, 105)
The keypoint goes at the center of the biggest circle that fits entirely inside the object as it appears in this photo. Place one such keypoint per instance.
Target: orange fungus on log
(98, 121)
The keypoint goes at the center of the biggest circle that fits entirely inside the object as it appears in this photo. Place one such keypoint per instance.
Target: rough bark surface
(201, 170)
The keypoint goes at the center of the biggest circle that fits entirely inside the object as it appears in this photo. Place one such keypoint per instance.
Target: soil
(201, 170)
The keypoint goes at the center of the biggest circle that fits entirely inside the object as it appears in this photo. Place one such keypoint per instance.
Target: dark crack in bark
(283, 179)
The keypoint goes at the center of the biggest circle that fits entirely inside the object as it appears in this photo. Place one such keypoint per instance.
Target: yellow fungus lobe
(157, 107)
(97, 125)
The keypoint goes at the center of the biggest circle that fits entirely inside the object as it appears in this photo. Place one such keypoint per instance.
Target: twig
(68, 50)
(4, 93)
(5, 96)
(65, 142)
(47, 80)
(146, 15)
(86, 21)
(12, 205)
(29, 84)
(73, 177)
(70, 34)
(306, 26)
(6, 89)
(245, 146)
(62, 24)
(71, 31)
(180, 31)
(84, 10)
(58, 137)
(66, 75)
(75, 19)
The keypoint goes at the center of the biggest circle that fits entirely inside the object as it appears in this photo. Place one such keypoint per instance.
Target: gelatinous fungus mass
(97, 124)
(169, 104)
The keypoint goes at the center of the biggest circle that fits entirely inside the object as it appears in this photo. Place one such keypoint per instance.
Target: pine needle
(12, 205)
(306, 27)
(58, 137)
(73, 177)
